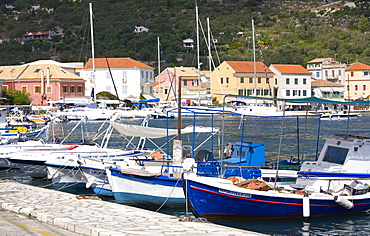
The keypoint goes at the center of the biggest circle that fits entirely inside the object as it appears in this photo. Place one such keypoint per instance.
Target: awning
(332, 89)
(303, 100)
(151, 132)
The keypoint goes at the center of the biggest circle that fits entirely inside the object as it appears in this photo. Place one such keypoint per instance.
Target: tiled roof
(248, 67)
(34, 72)
(358, 66)
(38, 33)
(318, 60)
(291, 69)
(324, 83)
(116, 63)
(185, 71)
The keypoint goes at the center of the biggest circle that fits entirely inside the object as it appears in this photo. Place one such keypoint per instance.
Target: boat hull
(97, 180)
(215, 202)
(146, 190)
(66, 176)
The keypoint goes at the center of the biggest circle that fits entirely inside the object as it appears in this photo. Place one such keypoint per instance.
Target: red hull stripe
(271, 202)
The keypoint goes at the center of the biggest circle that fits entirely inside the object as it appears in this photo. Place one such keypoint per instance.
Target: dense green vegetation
(292, 32)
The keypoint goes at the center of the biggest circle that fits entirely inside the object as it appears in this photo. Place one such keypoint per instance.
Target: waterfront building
(245, 78)
(291, 81)
(129, 77)
(194, 85)
(45, 81)
(357, 82)
(328, 69)
(328, 90)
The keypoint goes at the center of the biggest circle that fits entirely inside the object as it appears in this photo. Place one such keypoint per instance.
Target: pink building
(189, 84)
(45, 82)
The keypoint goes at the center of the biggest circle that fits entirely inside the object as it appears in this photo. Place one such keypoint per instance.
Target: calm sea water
(298, 136)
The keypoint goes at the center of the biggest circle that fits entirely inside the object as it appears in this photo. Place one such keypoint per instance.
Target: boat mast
(92, 50)
(209, 57)
(254, 61)
(198, 61)
(159, 57)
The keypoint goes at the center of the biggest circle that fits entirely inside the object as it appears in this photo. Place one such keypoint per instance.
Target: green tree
(16, 97)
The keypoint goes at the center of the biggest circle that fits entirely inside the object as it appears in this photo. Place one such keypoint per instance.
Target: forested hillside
(286, 31)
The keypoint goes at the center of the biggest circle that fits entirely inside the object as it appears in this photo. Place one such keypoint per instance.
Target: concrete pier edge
(99, 218)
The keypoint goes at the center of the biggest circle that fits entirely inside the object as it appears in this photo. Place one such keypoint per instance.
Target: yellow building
(242, 78)
(357, 82)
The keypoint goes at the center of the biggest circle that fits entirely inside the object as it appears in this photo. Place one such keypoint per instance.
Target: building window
(124, 74)
(79, 88)
(348, 88)
(287, 81)
(124, 89)
(195, 82)
(241, 81)
(356, 87)
(266, 92)
(65, 89)
(227, 80)
(72, 89)
(48, 89)
(36, 89)
(165, 91)
(250, 80)
(296, 81)
(287, 93)
(352, 73)
(366, 73)
(259, 80)
(142, 74)
(267, 80)
(222, 80)
(339, 72)
(23, 88)
(295, 93)
(364, 87)
(249, 92)
(304, 92)
(276, 81)
(318, 74)
(304, 81)
(332, 73)
(241, 92)
(326, 73)
(186, 82)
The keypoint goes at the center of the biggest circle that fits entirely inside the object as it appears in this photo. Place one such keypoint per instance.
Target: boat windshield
(335, 154)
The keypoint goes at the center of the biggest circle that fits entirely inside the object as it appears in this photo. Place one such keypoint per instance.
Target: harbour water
(299, 136)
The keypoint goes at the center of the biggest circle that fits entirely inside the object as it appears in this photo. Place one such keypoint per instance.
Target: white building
(140, 29)
(291, 81)
(328, 69)
(131, 78)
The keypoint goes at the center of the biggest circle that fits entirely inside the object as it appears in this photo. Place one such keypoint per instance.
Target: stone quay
(91, 216)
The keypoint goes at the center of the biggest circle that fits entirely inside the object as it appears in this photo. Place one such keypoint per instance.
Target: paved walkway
(99, 218)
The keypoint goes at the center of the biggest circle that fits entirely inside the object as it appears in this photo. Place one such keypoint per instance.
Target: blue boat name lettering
(246, 195)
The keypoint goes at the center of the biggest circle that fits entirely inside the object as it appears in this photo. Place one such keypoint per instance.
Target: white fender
(343, 202)
(306, 205)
